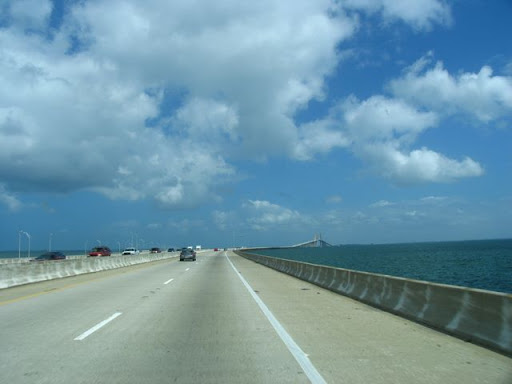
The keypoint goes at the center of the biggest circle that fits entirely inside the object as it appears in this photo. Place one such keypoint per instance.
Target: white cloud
(265, 215)
(382, 130)
(207, 121)
(167, 98)
(383, 119)
(30, 15)
(75, 109)
(318, 137)
(381, 203)
(482, 95)
(419, 166)
(263, 60)
(9, 200)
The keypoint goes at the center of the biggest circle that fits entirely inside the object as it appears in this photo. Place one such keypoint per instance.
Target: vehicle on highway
(130, 251)
(187, 254)
(50, 256)
(170, 250)
(100, 251)
(155, 250)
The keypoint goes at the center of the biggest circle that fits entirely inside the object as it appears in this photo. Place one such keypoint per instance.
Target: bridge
(317, 242)
(228, 319)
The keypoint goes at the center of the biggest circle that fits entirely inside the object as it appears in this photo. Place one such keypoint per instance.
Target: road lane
(350, 342)
(300, 356)
(195, 322)
(202, 328)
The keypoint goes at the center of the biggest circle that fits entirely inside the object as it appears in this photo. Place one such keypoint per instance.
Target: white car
(130, 251)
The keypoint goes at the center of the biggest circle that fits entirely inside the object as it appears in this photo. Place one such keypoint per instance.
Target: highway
(221, 319)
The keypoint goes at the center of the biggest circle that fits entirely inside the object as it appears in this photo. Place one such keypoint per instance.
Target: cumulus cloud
(207, 121)
(382, 130)
(161, 94)
(29, 15)
(381, 204)
(9, 200)
(384, 119)
(264, 215)
(482, 95)
(318, 137)
(165, 94)
(420, 165)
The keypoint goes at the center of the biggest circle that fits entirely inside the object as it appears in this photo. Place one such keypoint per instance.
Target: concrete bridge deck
(198, 323)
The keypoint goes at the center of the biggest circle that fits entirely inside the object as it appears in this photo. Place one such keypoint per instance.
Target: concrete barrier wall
(12, 274)
(479, 316)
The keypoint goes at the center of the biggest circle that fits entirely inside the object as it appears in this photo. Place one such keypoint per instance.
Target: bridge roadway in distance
(199, 322)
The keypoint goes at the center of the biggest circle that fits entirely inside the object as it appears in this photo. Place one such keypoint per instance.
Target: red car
(100, 251)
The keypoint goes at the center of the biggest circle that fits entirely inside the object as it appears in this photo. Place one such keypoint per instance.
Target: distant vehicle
(198, 247)
(100, 251)
(130, 251)
(215, 249)
(171, 250)
(50, 256)
(187, 254)
(155, 250)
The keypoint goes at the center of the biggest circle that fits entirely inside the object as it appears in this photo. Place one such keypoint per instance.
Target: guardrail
(25, 272)
(474, 315)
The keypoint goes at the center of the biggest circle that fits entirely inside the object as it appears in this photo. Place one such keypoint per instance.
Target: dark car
(100, 251)
(170, 250)
(50, 256)
(155, 250)
(187, 254)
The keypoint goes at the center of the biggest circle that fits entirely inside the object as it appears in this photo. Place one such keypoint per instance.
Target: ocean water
(483, 264)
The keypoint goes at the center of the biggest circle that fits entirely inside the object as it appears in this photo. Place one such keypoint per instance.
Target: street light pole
(19, 244)
(50, 243)
(28, 235)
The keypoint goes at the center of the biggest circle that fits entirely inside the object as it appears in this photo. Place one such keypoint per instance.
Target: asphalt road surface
(221, 319)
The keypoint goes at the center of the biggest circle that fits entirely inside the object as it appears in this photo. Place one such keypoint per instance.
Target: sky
(254, 123)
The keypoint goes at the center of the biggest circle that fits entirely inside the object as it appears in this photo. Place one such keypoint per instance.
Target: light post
(50, 242)
(29, 238)
(85, 247)
(19, 243)
(28, 235)
(99, 242)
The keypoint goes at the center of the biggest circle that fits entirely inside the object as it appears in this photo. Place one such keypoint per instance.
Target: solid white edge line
(309, 369)
(168, 281)
(97, 326)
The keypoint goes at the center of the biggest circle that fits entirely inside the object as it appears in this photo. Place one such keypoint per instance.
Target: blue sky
(254, 123)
